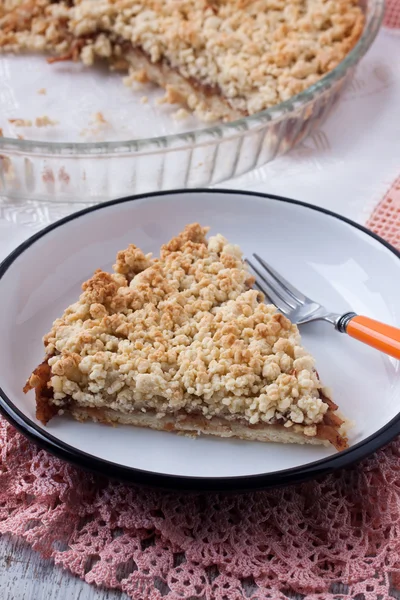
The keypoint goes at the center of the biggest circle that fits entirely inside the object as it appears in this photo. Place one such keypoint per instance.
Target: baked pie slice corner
(183, 343)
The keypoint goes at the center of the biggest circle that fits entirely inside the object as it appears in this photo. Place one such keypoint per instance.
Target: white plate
(337, 262)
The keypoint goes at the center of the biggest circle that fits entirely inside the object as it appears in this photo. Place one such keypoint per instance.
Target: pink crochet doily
(331, 539)
(392, 14)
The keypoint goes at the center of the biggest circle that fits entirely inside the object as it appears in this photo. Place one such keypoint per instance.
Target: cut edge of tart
(182, 343)
(222, 59)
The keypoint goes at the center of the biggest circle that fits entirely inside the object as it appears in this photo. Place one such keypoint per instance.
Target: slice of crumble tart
(183, 343)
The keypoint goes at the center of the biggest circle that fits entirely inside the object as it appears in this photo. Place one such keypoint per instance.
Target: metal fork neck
(343, 321)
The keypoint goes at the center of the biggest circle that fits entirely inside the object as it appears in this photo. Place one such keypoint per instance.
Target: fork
(300, 309)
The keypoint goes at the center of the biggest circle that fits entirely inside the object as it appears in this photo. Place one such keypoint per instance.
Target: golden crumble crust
(132, 261)
(183, 333)
(192, 233)
(251, 53)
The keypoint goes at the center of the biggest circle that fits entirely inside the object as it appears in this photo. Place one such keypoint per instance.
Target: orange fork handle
(378, 335)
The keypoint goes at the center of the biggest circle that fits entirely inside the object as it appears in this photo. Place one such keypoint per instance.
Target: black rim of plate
(188, 483)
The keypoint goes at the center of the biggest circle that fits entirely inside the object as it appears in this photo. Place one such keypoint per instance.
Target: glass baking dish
(73, 162)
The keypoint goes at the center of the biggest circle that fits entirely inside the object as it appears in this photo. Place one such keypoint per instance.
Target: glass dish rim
(213, 133)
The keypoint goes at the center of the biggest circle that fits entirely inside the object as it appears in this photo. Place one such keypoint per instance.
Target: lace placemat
(385, 220)
(329, 539)
(392, 14)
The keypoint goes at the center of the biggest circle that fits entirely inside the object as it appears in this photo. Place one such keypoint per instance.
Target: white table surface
(346, 166)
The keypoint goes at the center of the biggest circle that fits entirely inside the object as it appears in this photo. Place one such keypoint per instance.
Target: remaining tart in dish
(183, 343)
(223, 59)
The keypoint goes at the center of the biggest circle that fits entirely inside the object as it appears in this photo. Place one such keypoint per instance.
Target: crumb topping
(255, 53)
(99, 118)
(20, 122)
(183, 332)
(45, 121)
(181, 114)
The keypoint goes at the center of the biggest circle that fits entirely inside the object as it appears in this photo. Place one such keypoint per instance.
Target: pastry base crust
(195, 425)
(204, 99)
